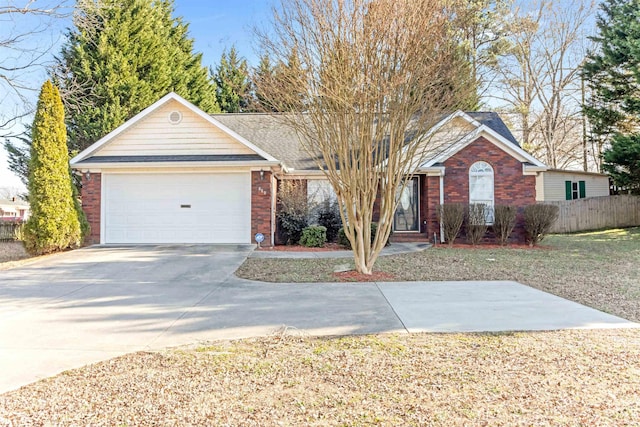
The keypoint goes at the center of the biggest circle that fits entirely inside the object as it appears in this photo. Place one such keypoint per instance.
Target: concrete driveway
(70, 309)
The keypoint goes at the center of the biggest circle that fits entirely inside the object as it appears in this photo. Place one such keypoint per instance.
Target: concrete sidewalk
(93, 304)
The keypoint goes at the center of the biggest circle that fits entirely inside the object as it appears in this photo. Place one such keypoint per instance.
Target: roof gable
(159, 131)
(492, 136)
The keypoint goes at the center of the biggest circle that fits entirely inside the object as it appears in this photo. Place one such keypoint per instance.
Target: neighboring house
(174, 174)
(14, 209)
(555, 185)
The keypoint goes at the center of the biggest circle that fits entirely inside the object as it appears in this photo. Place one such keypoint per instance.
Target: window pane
(481, 187)
(406, 217)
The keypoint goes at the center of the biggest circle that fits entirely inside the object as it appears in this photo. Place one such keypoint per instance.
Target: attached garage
(176, 207)
(174, 174)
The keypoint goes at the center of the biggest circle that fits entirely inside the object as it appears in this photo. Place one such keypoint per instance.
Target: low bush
(538, 220)
(344, 242)
(314, 236)
(293, 210)
(329, 217)
(504, 220)
(451, 216)
(475, 222)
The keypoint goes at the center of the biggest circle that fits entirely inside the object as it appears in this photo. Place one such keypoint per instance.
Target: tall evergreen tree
(614, 81)
(121, 57)
(232, 82)
(54, 223)
(262, 73)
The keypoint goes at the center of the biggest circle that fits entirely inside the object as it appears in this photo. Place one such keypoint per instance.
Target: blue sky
(214, 25)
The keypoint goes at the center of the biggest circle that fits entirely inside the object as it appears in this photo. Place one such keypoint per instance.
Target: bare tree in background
(25, 40)
(376, 76)
(539, 77)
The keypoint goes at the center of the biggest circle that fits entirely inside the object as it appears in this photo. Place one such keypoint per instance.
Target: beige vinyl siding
(550, 185)
(154, 135)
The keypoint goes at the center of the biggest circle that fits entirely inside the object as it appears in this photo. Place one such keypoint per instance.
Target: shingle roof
(493, 121)
(270, 134)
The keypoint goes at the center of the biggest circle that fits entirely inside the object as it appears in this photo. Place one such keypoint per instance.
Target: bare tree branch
(539, 79)
(27, 35)
(372, 77)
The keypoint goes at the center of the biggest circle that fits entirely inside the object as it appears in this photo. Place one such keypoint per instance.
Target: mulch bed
(491, 246)
(299, 248)
(354, 276)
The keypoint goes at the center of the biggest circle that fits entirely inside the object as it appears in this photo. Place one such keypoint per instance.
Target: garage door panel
(177, 208)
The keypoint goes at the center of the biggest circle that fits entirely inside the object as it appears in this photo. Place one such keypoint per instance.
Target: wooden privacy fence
(596, 213)
(9, 230)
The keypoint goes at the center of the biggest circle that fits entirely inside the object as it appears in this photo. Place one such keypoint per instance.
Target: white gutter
(186, 164)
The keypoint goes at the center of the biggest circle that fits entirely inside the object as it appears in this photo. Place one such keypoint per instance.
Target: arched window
(481, 187)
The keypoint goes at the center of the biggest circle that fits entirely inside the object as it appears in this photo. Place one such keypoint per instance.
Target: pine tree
(54, 223)
(261, 74)
(121, 57)
(613, 79)
(232, 82)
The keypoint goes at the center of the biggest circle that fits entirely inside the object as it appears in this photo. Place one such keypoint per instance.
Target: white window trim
(483, 166)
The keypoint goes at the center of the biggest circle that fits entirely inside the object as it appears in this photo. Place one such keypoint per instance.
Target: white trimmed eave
(93, 148)
(303, 174)
(431, 171)
(493, 137)
(99, 166)
(532, 169)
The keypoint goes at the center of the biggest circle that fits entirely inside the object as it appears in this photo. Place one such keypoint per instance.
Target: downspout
(441, 203)
(274, 195)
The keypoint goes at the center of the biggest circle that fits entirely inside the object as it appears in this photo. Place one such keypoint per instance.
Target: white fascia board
(515, 150)
(97, 166)
(452, 149)
(117, 131)
(432, 171)
(170, 96)
(493, 137)
(532, 170)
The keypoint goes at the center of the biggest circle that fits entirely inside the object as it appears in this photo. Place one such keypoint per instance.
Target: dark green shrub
(329, 217)
(293, 210)
(451, 216)
(538, 220)
(476, 222)
(343, 241)
(504, 219)
(314, 236)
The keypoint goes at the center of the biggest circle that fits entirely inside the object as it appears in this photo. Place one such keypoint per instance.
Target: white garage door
(177, 208)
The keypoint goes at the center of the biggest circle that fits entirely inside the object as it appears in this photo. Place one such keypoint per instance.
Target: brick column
(261, 206)
(91, 195)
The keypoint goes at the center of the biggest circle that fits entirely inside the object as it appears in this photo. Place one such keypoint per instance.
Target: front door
(407, 216)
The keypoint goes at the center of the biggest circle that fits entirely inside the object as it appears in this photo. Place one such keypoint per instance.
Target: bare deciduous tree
(539, 76)
(376, 76)
(25, 40)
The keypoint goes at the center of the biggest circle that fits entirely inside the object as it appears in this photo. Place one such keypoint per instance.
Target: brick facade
(261, 206)
(429, 205)
(511, 187)
(91, 194)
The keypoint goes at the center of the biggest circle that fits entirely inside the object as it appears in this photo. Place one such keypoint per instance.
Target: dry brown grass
(552, 378)
(599, 269)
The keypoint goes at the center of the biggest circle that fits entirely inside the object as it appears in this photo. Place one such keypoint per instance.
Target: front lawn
(599, 269)
(550, 378)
